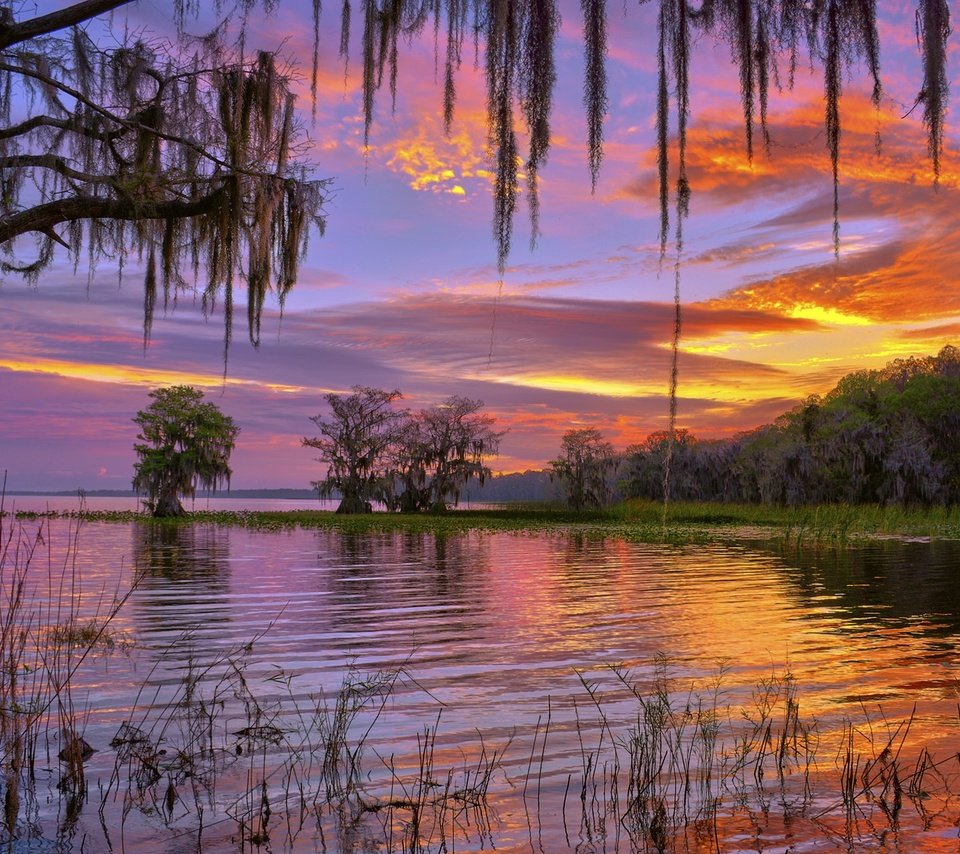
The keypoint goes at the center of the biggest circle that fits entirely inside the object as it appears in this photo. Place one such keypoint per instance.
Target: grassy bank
(637, 520)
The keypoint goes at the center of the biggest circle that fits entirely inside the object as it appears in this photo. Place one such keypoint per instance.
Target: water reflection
(497, 629)
(891, 583)
(180, 552)
(184, 573)
(414, 588)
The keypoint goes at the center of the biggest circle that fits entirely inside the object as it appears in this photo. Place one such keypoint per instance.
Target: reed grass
(49, 626)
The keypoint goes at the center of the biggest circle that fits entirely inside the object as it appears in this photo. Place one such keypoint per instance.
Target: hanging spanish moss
(763, 54)
(121, 143)
(663, 128)
(933, 30)
(832, 80)
(537, 78)
(595, 81)
(315, 65)
(764, 38)
(502, 32)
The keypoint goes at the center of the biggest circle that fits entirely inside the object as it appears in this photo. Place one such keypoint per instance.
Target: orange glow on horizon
(127, 375)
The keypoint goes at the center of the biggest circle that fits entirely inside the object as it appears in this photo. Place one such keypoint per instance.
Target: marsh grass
(49, 625)
(689, 767)
(832, 525)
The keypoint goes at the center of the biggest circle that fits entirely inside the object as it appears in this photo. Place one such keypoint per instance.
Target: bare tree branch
(16, 32)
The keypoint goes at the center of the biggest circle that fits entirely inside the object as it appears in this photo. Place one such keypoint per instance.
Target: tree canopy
(438, 450)
(354, 442)
(886, 436)
(583, 468)
(185, 442)
(409, 461)
(186, 157)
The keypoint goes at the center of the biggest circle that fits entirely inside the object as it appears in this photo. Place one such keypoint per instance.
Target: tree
(583, 466)
(188, 158)
(439, 450)
(184, 443)
(355, 443)
(699, 470)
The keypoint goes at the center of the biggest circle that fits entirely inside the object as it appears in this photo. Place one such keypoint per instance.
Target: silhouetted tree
(583, 467)
(187, 156)
(357, 443)
(185, 442)
(439, 450)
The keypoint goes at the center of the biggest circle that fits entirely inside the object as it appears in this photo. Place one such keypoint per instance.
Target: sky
(402, 291)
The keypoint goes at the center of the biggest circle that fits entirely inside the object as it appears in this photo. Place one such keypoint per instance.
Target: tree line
(406, 460)
(888, 436)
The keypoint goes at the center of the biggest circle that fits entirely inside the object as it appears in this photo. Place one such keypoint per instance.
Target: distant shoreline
(296, 494)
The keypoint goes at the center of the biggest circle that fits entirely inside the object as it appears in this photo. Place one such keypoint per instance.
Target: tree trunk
(354, 504)
(168, 506)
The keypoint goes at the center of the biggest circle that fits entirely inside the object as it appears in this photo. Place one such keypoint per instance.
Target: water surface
(525, 643)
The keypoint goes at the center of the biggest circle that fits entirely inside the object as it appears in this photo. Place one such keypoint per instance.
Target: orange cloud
(454, 163)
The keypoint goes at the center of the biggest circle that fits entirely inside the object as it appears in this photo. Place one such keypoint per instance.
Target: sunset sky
(403, 291)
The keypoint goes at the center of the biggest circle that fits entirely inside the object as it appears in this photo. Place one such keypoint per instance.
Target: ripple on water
(499, 633)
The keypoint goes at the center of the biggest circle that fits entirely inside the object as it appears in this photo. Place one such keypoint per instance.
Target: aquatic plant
(47, 631)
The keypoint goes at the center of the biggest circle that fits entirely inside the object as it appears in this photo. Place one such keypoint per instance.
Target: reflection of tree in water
(181, 552)
(406, 579)
(591, 571)
(185, 581)
(888, 582)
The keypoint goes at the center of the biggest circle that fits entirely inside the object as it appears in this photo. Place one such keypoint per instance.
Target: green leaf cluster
(184, 442)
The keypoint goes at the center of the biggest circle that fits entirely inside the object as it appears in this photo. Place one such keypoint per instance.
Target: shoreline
(639, 521)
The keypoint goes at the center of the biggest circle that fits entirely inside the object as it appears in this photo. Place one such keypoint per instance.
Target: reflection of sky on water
(498, 631)
(508, 621)
(485, 615)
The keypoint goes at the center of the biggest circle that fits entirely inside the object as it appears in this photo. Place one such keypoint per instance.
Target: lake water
(310, 690)
(71, 503)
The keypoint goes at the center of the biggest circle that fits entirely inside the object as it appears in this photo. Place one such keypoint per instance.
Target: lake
(310, 690)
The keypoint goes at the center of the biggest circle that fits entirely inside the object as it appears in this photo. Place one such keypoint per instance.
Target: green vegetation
(638, 520)
(184, 443)
(884, 437)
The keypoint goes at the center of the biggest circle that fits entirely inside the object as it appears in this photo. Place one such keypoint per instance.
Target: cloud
(437, 162)
(554, 363)
(943, 332)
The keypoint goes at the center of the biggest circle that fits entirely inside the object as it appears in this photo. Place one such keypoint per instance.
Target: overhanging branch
(13, 33)
(43, 218)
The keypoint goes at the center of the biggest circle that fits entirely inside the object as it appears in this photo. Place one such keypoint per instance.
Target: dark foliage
(185, 442)
(890, 436)
(584, 467)
(186, 158)
(409, 461)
